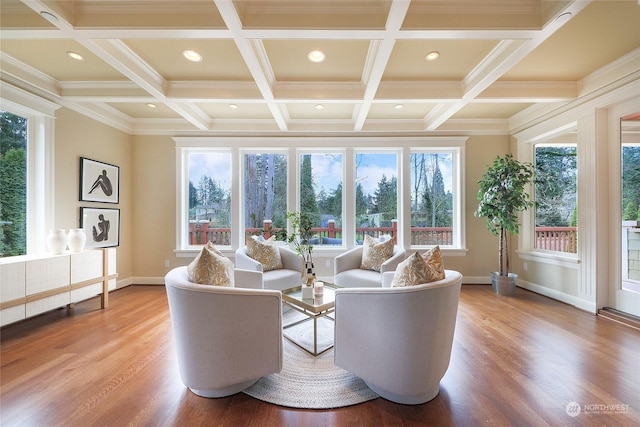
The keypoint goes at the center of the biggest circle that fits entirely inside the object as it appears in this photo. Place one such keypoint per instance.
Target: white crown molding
(618, 69)
(28, 77)
(102, 113)
(19, 100)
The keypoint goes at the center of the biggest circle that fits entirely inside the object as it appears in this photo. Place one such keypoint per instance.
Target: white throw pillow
(211, 267)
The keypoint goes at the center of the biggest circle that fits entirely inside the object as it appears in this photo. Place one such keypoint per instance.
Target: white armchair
(280, 279)
(398, 340)
(226, 338)
(347, 271)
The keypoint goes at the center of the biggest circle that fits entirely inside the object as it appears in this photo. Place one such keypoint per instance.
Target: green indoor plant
(503, 195)
(300, 236)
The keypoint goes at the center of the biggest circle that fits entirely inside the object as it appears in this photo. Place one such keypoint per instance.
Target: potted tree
(502, 197)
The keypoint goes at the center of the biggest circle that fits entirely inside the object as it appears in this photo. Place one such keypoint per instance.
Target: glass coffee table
(314, 308)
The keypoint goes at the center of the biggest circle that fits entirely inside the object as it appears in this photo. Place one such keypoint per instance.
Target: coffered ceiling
(498, 60)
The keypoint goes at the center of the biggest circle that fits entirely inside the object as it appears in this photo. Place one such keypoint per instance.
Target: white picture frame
(102, 227)
(99, 181)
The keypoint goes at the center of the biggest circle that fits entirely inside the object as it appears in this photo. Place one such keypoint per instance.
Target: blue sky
(327, 169)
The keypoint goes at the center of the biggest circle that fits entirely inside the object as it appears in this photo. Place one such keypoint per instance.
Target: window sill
(551, 258)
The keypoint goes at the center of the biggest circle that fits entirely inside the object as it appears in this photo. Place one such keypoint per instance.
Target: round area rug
(311, 382)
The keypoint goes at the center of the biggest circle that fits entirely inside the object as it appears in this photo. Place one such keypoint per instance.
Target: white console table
(34, 284)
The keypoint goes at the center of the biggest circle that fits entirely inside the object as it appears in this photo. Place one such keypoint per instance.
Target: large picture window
(432, 201)
(209, 207)
(13, 181)
(265, 190)
(228, 193)
(376, 194)
(320, 194)
(556, 196)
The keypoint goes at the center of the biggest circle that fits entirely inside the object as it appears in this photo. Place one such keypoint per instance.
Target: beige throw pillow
(211, 267)
(266, 252)
(375, 252)
(418, 269)
(433, 257)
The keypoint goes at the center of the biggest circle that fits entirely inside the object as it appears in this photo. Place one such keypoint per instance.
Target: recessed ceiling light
(233, 106)
(319, 107)
(75, 56)
(192, 55)
(432, 56)
(49, 16)
(316, 56)
(398, 106)
(150, 105)
(563, 17)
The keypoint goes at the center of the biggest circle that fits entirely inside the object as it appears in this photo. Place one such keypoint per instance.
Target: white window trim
(457, 188)
(526, 238)
(295, 145)
(40, 114)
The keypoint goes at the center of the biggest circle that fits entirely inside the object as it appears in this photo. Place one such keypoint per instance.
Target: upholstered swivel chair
(398, 340)
(347, 271)
(279, 279)
(226, 338)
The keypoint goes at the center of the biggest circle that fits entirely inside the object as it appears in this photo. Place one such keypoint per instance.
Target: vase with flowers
(301, 237)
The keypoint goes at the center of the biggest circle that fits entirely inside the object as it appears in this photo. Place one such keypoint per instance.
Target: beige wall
(154, 210)
(78, 136)
(154, 186)
(482, 255)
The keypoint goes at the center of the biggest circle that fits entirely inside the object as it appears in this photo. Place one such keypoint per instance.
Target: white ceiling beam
(256, 67)
(381, 52)
(501, 59)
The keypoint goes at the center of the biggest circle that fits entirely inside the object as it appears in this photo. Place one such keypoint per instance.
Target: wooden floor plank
(515, 361)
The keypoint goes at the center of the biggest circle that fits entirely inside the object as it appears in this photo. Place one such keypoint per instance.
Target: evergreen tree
(630, 212)
(193, 195)
(630, 175)
(13, 184)
(280, 191)
(336, 202)
(555, 185)
(361, 201)
(308, 202)
(385, 198)
(13, 204)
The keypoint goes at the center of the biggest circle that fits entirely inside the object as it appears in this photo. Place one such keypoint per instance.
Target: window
(13, 181)
(224, 194)
(209, 197)
(432, 201)
(265, 190)
(555, 193)
(37, 115)
(376, 194)
(320, 194)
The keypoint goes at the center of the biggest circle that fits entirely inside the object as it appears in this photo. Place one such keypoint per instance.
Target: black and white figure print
(99, 181)
(102, 227)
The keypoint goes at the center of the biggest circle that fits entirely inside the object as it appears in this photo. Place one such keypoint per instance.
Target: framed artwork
(99, 182)
(102, 227)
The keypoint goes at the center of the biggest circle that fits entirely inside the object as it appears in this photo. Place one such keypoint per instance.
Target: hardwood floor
(516, 362)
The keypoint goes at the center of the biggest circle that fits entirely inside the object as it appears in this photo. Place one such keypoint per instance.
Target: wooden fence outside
(561, 239)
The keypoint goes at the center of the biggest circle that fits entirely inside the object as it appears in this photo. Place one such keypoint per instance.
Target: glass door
(627, 294)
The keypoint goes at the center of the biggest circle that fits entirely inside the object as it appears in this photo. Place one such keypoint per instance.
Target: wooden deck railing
(561, 239)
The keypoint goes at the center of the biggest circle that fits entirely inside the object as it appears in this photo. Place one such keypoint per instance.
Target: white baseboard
(124, 283)
(559, 296)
